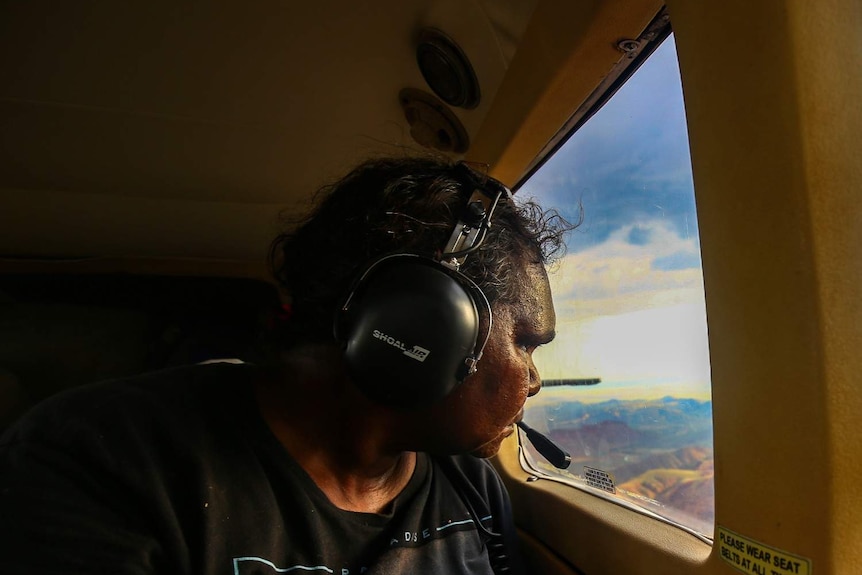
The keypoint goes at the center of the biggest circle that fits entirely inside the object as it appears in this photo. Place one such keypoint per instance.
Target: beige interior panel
(220, 102)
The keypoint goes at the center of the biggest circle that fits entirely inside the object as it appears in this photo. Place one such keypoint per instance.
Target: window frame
(636, 53)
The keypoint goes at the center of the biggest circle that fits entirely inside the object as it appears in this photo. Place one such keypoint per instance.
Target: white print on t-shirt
(413, 537)
(410, 539)
(292, 569)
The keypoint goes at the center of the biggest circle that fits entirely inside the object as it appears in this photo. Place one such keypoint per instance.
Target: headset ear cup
(409, 329)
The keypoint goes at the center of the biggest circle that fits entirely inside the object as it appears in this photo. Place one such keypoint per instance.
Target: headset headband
(475, 220)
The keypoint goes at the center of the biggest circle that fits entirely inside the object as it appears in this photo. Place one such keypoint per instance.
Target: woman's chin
(491, 448)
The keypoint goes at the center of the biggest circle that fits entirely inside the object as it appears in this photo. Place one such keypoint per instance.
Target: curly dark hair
(401, 205)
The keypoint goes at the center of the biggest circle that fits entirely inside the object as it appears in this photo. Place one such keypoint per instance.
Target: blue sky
(629, 292)
(629, 163)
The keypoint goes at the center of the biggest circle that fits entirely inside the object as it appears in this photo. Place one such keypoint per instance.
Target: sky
(629, 291)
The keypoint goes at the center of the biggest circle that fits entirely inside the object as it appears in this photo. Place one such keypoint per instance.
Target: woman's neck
(339, 438)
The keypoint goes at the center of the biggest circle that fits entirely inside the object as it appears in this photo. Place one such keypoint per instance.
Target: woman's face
(483, 410)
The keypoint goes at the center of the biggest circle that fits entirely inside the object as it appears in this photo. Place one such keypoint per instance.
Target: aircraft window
(627, 386)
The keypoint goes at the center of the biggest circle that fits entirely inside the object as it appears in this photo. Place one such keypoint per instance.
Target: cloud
(677, 261)
(631, 309)
(664, 344)
(639, 266)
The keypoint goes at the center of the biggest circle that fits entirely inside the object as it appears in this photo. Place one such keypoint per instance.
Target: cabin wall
(830, 61)
(774, 130)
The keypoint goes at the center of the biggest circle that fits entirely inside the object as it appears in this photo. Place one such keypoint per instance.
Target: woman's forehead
(534, 303)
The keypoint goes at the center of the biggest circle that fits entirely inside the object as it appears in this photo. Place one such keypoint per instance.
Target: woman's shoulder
(138, 402)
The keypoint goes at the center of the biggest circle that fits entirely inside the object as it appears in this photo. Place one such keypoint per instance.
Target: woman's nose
(535, 381)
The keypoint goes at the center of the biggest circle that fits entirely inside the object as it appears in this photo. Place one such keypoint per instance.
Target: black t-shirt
(176, 472)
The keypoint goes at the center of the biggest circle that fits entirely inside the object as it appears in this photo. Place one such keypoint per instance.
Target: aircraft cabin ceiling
(181, 129)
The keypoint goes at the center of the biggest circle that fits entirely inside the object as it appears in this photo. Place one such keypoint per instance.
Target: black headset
(410, 324)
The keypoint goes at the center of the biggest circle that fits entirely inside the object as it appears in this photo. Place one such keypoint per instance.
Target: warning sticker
(750, 556)
(599, 479)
